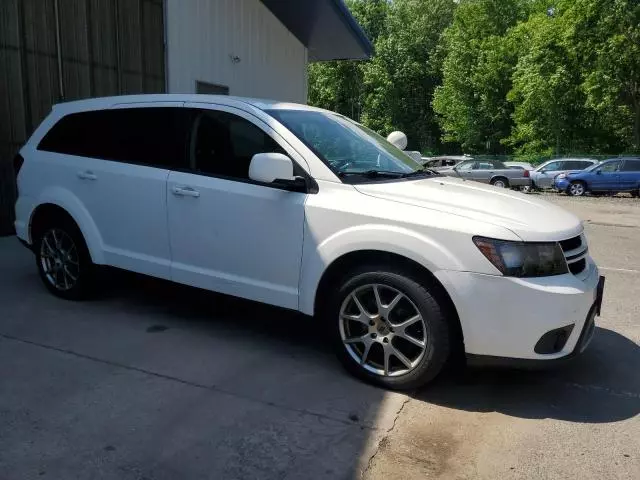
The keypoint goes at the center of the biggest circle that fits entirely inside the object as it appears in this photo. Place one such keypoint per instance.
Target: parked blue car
(612, 175)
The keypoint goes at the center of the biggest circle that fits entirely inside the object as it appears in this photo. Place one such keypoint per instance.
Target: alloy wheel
(499, 184)
(59, 259)
(576, 189)
(382, 330)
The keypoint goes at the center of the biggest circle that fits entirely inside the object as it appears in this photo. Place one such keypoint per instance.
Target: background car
(445, 161)
(489, 171)
(520, 165)
(613, 175)
(544, 176)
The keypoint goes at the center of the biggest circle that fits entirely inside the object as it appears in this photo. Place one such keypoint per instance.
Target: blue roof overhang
(325, 27)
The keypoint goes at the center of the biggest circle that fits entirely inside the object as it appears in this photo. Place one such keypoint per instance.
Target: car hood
(529, 218)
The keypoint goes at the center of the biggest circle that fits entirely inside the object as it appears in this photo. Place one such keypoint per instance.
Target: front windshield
(347, 147)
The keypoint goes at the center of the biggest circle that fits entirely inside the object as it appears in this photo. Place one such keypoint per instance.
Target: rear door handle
(87, 175)
(184, 191)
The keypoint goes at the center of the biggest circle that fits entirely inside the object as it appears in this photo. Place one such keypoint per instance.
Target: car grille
(575, 251)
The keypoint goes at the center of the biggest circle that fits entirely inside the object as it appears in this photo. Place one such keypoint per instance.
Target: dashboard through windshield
(352, 151)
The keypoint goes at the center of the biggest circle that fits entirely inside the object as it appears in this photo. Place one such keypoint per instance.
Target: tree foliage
(494, 76)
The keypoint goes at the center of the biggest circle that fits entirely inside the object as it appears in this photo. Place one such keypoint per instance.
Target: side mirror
(599, 172)
(277, 169)
(398, 139)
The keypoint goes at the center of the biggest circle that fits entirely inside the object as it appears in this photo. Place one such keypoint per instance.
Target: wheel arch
(77, 213)
(499, 177)
(334, 272)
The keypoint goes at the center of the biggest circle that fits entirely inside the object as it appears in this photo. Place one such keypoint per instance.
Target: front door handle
(183, 191)
(87, 175)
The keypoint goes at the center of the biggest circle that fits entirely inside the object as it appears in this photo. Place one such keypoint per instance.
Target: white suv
(305, 209)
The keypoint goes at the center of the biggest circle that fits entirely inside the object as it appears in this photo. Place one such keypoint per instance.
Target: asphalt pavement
(156, 381)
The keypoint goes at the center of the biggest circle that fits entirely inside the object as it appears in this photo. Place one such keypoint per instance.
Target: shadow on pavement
(601, 385)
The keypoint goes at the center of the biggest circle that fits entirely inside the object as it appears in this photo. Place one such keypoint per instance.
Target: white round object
(398, 139)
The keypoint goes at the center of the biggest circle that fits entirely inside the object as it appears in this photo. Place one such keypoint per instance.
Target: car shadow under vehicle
(601, 385)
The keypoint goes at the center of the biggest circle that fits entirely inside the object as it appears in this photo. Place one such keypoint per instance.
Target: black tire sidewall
(437, 327)
(84, 284)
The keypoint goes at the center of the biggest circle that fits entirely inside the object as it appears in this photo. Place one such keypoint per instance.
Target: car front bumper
(561, 184)
(497, 320)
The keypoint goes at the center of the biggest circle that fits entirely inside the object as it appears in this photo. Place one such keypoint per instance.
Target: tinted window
(148, 136)
(223, 144)
(631, 166)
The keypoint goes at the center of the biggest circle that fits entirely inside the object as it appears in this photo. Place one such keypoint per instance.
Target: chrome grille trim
(575, 250)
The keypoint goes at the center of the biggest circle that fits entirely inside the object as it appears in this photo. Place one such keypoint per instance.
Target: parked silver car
(489, 171)
(545, 174)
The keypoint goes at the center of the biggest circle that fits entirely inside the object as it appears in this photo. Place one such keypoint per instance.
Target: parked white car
(307, 210)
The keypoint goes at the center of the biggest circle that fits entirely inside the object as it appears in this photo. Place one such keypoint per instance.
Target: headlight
(523, 259)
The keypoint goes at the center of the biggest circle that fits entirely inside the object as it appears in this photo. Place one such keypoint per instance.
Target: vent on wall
(211, 89)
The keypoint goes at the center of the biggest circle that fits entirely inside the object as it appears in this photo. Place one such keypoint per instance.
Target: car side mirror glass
(269, 167)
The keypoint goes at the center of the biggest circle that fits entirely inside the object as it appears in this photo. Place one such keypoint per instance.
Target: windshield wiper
(422, 171)
(371, 174)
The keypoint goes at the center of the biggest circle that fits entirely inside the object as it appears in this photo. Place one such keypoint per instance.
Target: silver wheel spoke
(71, 276)
(45, 242)
(366, 328)
(365, 354)
(356, 318)
(387, 357)
(378, 301)
(402, 326)
(409, 338)
(400, 356)
(355, 340)
(359, 305)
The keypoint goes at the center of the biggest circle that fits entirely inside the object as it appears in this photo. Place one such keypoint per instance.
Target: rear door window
(153, 136)
(631, 166)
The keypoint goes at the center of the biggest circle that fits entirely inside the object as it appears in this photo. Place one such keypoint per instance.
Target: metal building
(58, 50)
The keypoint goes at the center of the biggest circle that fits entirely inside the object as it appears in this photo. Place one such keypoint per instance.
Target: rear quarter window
(147, 136)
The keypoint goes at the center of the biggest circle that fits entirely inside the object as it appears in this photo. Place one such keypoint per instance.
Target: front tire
(388, 328)
(577, 189)
(63, 260)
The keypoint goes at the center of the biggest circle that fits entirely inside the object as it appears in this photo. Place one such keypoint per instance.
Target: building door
(58, 50)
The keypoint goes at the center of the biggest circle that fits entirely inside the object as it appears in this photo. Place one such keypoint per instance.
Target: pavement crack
(189, 383)
(385, 437)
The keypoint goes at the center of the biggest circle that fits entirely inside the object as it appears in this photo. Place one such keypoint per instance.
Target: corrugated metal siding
(106, 47)
(204, 35)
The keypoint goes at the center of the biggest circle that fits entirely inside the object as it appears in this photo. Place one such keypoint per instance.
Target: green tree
(338, 85)
(608, 32)
(471, 103)
(401, 78)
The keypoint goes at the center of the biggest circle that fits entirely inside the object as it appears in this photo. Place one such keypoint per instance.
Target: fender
(66, 200)
(401, 241)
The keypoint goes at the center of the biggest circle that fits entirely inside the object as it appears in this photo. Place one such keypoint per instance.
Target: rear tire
(500, 182)
(425, 343)
(577, 189)
(62, 258)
